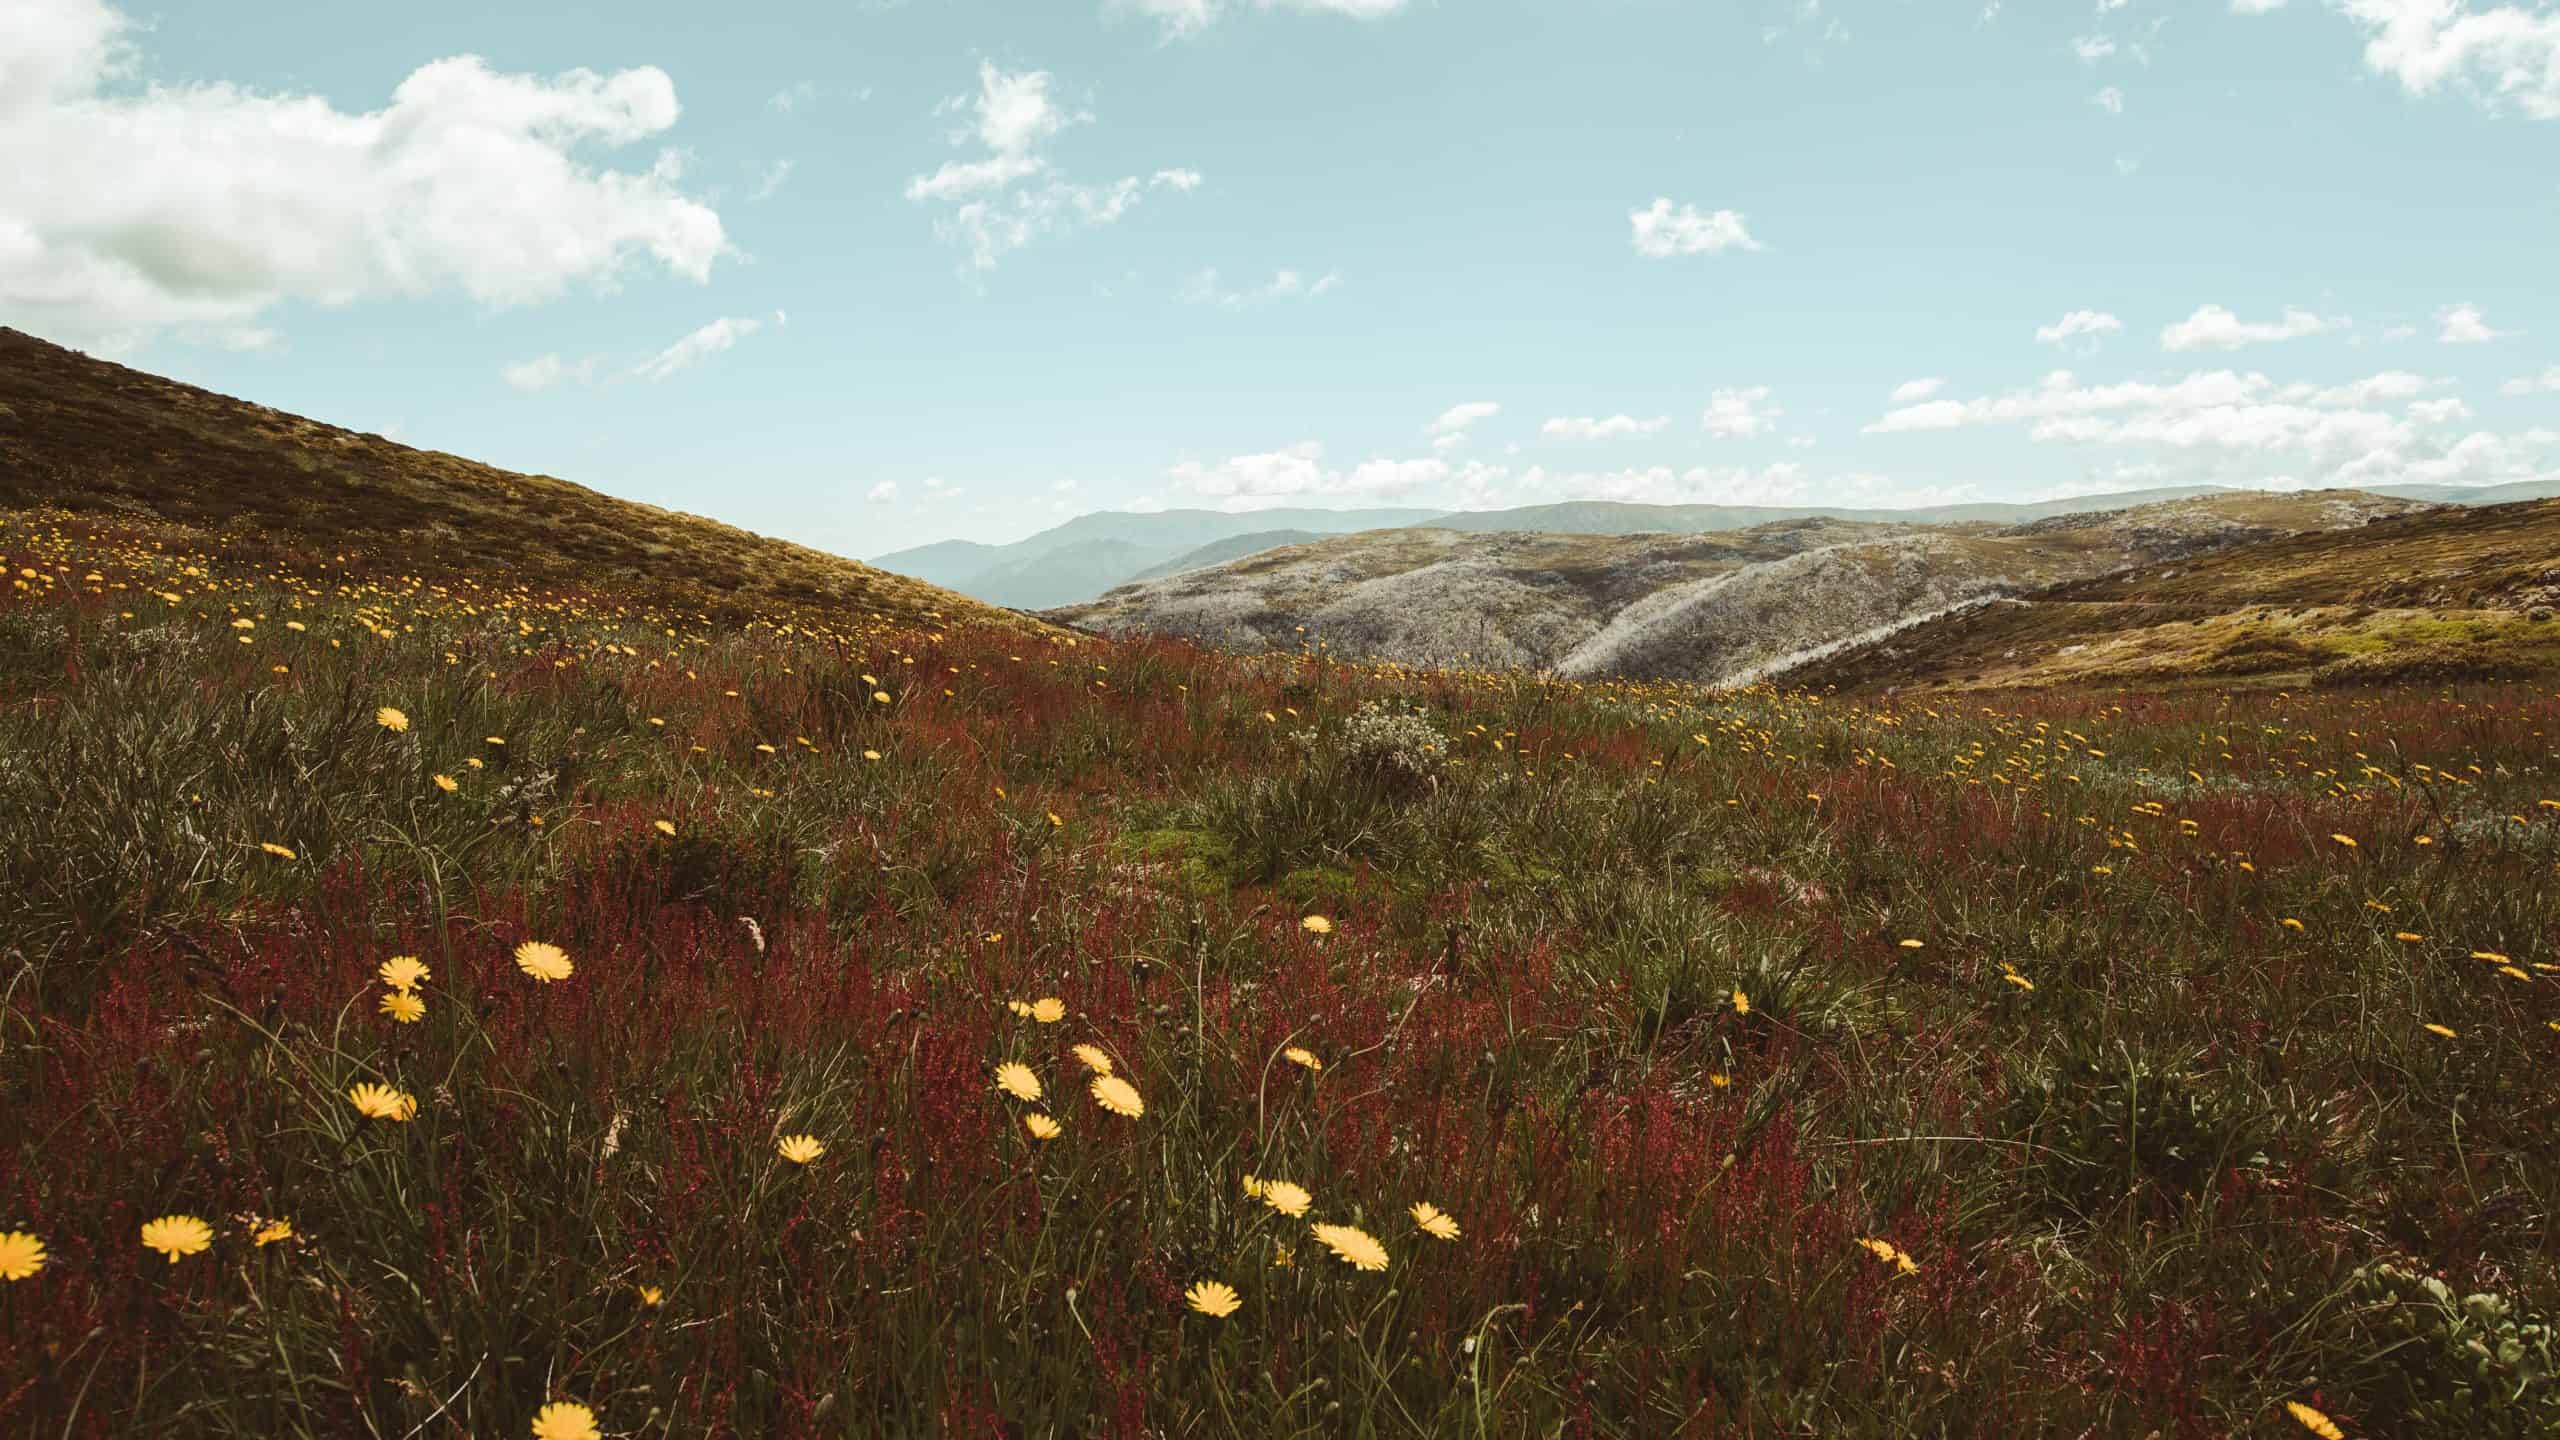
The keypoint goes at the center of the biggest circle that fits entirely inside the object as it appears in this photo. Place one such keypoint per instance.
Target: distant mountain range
(1091, 554)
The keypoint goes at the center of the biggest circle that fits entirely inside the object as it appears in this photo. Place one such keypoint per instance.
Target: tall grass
(1670, 999)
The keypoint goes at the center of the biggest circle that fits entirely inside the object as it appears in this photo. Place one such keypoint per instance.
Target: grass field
(2074, 1063)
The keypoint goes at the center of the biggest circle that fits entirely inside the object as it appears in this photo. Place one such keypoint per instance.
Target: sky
(865, 274)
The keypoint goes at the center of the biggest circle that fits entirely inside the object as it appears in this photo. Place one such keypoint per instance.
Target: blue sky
(866, 275)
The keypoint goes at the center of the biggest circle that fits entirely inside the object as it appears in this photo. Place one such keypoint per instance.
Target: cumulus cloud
(2548, 380)
(1189, 17)
(1457, 418)
(2241, 428)
(1920, 389)
(703, 343)
(2465, 325)
(544, 371)
(1012, 195)
(1203, 288)
(2110, 99)
(2256, 7)
(2093, 48)
(1660, 231)
(771, 179)
(2214, 328)
(197, 207)
(2078, 323)
(1568, 427)
(2504, 55)
(882, 493)
(1300, 472)
(1738, 413)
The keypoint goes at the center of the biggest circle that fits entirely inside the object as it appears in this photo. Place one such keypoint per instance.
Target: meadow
(431, 1005)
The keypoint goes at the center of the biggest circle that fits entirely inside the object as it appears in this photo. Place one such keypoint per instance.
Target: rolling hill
(86, 435)
(2437, 596)
(1092, 553)
(1714, 607)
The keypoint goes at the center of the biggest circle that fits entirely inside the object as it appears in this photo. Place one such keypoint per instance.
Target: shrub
(2108, 1125)
(2431, 1364)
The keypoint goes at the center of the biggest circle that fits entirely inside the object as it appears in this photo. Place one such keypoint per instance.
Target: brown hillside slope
(2444, 595)
(86, 435)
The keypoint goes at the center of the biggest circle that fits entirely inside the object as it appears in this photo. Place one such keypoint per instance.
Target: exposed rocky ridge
(1714, 608)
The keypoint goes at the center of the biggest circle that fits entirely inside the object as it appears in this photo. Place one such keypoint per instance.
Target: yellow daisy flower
(177, 1236)
(1015, 1079)
(565, 1420)
(799, 1149)
(1352, 1245)
(403, 972)
(1302, 1057)
(272, 1231)
(381, 1102)
(1093, 1058)
(391, 720)
(1316, 925)
(21, 1255)
(1290, 1200)
(1040, 1126)
(543, 961)
(1213, 1298)
(1118, 1096)
(2313, 1421)
(447, 784)
(1434, 1221)
(403, 1007)
(1048, 1010)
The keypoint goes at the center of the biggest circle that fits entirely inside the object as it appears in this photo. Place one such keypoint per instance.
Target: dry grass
(91, 437)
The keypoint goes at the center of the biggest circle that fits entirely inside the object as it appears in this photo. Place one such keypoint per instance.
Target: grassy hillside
(2448, 594)
(98, 439)
(1525, 1058)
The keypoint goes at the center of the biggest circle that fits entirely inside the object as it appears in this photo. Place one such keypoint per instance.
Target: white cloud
(2228, 427)
(1737, 413)
(786, 100)
(1248, 482)
(1568, 427)
(2500, 55)
(2214, 328)
(196, 207)
(2256, 7)
(2465, 325)
(882, 493)
(1012, 195)
(1189, 17)
(1202, 288)
(2110, 99)
(1661, 232)
(1456, 419)
(2078, 323)
(773, 178)
(2548, 380)
(707, 341)
(1920, 389)
(2093, 48)
(544, 371)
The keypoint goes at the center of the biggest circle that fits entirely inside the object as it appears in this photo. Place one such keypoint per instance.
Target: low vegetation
(438, 1003)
